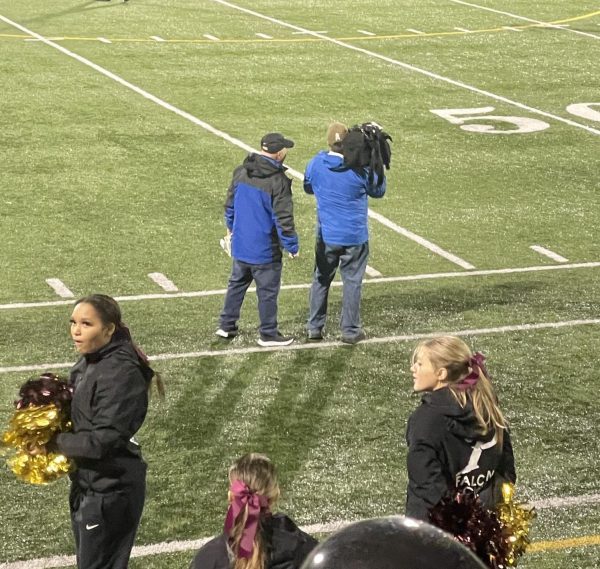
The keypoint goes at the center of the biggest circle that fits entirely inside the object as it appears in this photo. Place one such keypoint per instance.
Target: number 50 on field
(521, 125)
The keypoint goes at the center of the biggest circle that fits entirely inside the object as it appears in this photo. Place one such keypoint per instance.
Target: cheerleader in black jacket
(254, 537)
(110, 400)
(457, 437)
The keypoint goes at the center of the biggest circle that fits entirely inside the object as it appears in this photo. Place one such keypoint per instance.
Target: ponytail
(468, 381)
(253, 492)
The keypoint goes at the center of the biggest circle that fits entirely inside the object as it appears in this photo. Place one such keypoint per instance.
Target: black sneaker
(279, 340)
(359, 337)
(315, 335)
(227, 334)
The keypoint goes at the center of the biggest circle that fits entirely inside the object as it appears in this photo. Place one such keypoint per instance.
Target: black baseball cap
(274, 142)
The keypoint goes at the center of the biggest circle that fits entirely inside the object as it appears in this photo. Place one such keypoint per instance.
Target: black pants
(105, 524)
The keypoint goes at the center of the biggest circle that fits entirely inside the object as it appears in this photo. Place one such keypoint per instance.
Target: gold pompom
(517, 519)
(30, 427)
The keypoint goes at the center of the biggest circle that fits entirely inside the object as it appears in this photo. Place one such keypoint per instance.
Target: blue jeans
(268, 282)
(352, 261)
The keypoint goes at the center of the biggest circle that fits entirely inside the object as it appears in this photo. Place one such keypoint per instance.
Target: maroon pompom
(463, 516)
(45, 390)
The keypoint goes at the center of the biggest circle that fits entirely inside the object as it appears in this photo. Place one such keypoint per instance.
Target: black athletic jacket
(447, 450)
(290, 547)
(109, 405)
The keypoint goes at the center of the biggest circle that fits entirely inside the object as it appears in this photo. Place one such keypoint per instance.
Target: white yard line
(104, 40)
(211, 37)
(422, 241)
(551, 254)
(429, 74)
(163, 282)
(374, 273)
(157, 38)
(228, 352)
(523, 18)
(511, 29)
(264, 36)
(366, 33)
(419, 32)
(60, 288)
(222, 291)
(322, 528)
(463, 30)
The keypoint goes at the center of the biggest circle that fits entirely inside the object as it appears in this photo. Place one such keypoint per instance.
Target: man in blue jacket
(342, 233)
(260, 218)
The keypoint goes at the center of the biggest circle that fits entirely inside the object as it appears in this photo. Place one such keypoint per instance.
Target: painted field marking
(163, 282)
(372, 272)
(512, 29)
(301, 32)
(313, 529)
(543, 24)
(366, 33)
(228, 352)
(301, 286)
(157, 38)
(104, 40)
(409, 67)
(210, 37)
(264, 36)
(414, 31)
(551, 254)
(421, 240)
(463, 30)
(60, 288)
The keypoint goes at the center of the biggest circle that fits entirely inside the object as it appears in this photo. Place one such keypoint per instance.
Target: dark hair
(109, 311)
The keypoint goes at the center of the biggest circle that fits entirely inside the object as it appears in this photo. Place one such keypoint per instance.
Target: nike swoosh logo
(88, 526)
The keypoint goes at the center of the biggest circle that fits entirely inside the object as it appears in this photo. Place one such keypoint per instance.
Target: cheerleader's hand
(36, 450)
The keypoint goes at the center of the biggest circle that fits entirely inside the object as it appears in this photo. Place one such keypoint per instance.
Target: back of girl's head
(258, 476)
(455, 356)
(258, 473)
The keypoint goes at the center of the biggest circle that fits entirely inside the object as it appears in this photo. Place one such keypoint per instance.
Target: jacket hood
(259, 166)
(460, 421)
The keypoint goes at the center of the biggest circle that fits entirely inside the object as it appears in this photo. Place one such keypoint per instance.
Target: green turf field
(111, 170)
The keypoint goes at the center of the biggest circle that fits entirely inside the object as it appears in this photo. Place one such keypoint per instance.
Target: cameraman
(341, 189)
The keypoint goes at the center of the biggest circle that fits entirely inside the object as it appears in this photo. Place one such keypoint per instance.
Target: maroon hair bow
(244, 497)
(477, 365)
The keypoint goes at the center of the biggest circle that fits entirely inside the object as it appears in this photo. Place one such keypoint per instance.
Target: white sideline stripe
(324, 528)
(60, 288)
(366, 33)
(334, 344)
(157, 38)
(414, 31)
(544, 24)
(203, 124)
(217, 292)
(372, 272)
(104, 40)
(209, 37)
(414, 68)
(420, 240)
(163, 282)
(265, 36)
(554, 256)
